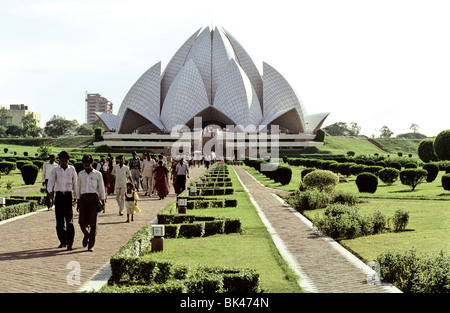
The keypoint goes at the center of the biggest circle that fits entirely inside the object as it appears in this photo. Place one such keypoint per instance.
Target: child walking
(131, 199)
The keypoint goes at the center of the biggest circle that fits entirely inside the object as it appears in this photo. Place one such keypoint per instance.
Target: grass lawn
(253, 248)
(428, 228)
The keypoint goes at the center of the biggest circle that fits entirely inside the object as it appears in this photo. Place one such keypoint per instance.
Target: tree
(58, 126)
(85, 130)
(385, 132)
(355, 129)
(4, 118)
(338, 129)
(441, 145)
(414, 128)
(14, 130)
(413, 177)
(425, 150)
(30, 128)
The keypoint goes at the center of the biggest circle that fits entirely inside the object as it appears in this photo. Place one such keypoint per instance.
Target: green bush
(29, 173)
(394, 164)
(17, 209)
(416, 273)
(344, 197)
(410, 165)
(446, 181)
(388, 175)
(21, 163)
(413, 177)
(7, 166)
(357, 169)
(344, 222)
(322, 180)
(432, 170)
(344, 168)
(367, 182)
(284, 175)
(425, 150)
(309, 200)
(400, 220)
(196, 229)
(214, 227)
(441, 145)
(307, 171)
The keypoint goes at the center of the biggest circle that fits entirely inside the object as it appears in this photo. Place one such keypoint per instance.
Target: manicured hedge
(17, 209)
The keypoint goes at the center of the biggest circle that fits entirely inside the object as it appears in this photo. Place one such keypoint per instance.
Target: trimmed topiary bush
(388, 175)
(413, 177)
(433, 171)
(425, 150)
(283, 175)
(29, 173)
(395, 164)
(367, 182)
(357, 169)
(446, 181)
(441, 145)
(321, 180)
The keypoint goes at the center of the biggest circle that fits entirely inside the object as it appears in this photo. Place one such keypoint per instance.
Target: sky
(376, 63)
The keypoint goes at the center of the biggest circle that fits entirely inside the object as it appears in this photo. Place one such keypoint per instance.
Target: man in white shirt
(121, 173)
(147, 170)
(90, 191)
(61, 186)
(46, 171)
(182, 171)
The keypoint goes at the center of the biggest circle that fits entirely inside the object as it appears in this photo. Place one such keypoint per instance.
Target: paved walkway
(30, 261)
(324, 266)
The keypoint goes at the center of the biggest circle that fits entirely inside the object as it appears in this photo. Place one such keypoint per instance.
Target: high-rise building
(96, 103)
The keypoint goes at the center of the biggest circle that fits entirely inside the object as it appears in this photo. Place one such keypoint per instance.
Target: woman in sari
(161, 184)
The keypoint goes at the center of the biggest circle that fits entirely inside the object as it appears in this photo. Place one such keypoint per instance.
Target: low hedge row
(210, 203)
(18, 208)
(143, 272)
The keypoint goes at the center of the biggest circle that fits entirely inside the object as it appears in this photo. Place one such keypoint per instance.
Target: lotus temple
(210, 86)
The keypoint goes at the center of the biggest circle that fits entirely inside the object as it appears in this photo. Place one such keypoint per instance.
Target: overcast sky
(375, 63)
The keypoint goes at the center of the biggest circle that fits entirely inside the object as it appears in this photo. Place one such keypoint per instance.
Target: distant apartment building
(96, 103)
(17, 111)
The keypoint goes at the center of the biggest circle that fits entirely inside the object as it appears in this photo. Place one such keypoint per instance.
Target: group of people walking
(88, 189)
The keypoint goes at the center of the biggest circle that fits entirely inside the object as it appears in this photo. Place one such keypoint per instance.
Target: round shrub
(6, 167)
(413, 177)
(307, 171)
(374, 169)
(283, 175)
(21, 163)
(441, 145)
(357, 169)
(446, 181)
(433, 171)
(388, 175)
(309, 200)
(410, 165)
(367, 182)
(322, 180)
(344, 168)
(29, 173)
(425, 150)
(396, 165)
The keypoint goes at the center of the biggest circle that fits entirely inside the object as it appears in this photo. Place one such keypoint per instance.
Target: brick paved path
(319, 259)
(30, 261)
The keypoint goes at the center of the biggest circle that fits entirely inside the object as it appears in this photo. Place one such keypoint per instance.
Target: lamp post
(158, 238)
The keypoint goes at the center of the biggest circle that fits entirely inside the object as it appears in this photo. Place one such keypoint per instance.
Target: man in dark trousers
(61, 187)
(182, 170)
(90, 191)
